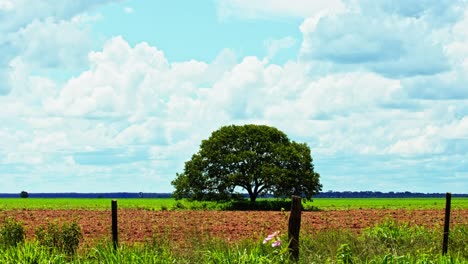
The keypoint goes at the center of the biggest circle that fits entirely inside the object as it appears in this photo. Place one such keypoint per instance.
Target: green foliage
(344, 255)
(245, 252)
(397, 238)
(105, 254)
(262, 205)
(24, 194)
(11, 233)
(325, 246)
(386, 242)
(31, 253)
(458, 238)
(257, 158)
(64, 238)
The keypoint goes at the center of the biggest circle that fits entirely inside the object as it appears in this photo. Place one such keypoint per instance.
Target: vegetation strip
(171, 204)
(385, 242)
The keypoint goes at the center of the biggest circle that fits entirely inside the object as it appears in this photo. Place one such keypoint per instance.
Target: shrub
(262, 205)
(64, 238)
(11, 233)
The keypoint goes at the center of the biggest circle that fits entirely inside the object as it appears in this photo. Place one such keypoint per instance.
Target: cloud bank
(378, 91)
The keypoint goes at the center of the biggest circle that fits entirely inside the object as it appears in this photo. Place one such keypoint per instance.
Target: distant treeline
(90, 195)
(328, 194)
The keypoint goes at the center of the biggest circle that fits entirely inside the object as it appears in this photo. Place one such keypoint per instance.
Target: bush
(11, 233)
(262, 205)
(24, 194)
(64, 238)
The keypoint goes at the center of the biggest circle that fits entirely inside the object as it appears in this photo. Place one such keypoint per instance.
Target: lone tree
(257, 158)
(24, 194)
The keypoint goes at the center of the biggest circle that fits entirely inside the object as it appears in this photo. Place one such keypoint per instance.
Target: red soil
(138, 225)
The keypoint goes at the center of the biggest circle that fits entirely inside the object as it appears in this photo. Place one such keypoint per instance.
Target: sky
(114, 96)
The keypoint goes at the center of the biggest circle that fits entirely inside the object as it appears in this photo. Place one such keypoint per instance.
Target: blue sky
(108, 96)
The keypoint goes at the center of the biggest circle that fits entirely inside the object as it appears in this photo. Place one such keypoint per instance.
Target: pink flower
(274, 236)
(277, 243)
(266, 240)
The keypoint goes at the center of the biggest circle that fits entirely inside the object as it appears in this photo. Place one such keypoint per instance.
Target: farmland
(168, 203)
(178, 228)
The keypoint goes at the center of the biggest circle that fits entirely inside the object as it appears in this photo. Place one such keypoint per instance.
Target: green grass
(386, 242)
(172, 204)
(84, 203)
(387, 203)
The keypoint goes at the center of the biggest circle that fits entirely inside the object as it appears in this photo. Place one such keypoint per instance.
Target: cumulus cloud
(19, 13)
(451, 84)
(44, 33)
(136, 82)
(438, 13)
(444, 86)
(51, 43)
(371, 101)
(386, 44)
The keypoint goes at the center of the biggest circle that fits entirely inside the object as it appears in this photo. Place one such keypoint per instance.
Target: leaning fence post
(294, 227)
(115, 239)
(448, 199)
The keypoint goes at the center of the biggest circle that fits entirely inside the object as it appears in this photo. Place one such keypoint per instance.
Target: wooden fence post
(115, 239)
(448, 199)
(294, 227)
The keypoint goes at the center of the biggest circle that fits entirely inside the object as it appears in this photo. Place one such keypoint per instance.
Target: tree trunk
(252, 194)
(253, 197)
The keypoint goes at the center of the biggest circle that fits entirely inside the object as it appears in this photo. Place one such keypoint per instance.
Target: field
(168, 203)
(186, 227)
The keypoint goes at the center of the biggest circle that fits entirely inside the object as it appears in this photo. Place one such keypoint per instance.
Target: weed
(344, 255)
(64, 238)
(11, 233)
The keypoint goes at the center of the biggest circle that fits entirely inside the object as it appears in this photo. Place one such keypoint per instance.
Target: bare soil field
(184, 225)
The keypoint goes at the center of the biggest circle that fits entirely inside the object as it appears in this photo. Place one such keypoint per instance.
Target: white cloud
(390, 46)
(152, 131)
(51, 43)
(450, 84)
(109, 88)
(273, 46)
(6, 5)
(45, 34)
(417, 145)
(25, 158)
(128, 10)
(458, 129)
(22, 12)
(335, 95)
(360, 102)
(254, 9)
(438, 13)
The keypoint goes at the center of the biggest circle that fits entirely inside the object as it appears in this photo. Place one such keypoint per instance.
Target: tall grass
(386, 242)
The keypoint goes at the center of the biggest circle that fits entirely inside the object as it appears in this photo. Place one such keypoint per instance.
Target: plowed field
(139, 225)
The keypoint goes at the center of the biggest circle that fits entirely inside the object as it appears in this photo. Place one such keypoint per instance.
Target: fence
(294, 225)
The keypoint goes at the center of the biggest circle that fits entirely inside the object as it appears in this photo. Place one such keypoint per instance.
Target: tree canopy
(256, 158)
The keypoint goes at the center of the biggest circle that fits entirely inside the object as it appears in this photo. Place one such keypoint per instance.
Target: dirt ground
(140, 225)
